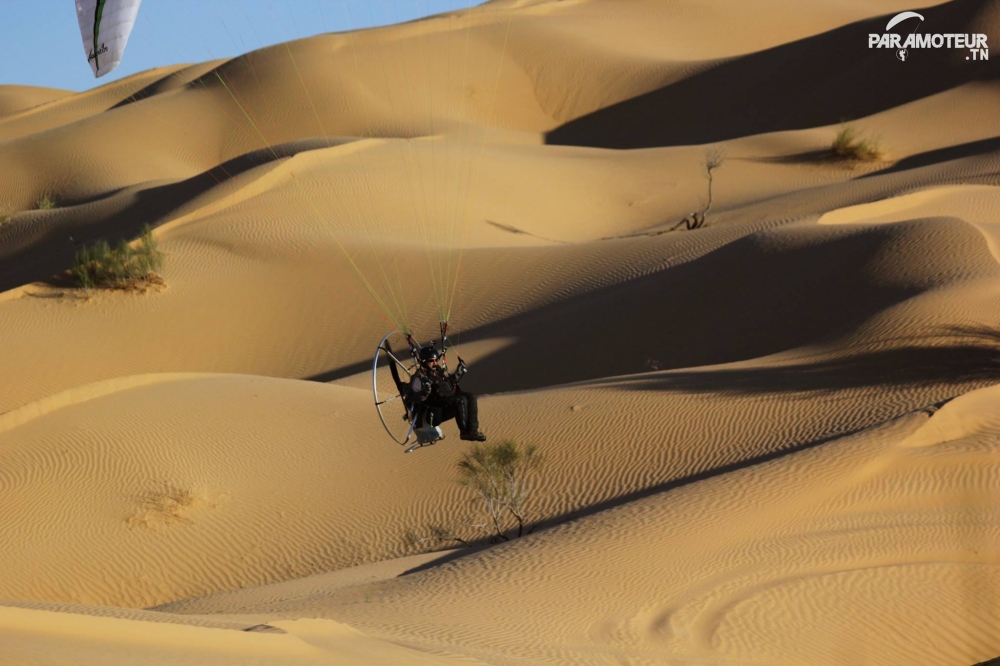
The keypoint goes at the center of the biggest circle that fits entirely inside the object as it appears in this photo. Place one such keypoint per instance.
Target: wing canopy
(105, 26)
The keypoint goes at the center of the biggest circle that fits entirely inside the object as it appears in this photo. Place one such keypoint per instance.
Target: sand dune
(45, 637)
(770, 440)
(815, 81)
(768, 564)
(19, 98)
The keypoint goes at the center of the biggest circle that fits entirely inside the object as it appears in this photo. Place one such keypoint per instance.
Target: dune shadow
(974, 361)
(447, 556)
(823, 157)
(627, 498)
(720, 470)
(160, 85)
(812, 82)
(947, 154)
(43, 252)
(169, 82)
(819, 157)
(729, 305)
(954, 356)
(673, 484)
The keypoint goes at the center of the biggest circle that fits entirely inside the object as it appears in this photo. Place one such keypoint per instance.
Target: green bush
(499, 477)
(120, 267)
(849, 145)
(47, 201)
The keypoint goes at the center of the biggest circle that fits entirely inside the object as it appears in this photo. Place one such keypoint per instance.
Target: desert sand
(770, 440)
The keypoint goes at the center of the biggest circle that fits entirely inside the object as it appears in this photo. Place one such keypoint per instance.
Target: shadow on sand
(821, 80)
(41, 253)
(730, 305)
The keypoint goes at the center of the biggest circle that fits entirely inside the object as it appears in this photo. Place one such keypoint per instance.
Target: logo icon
(902, 54)
(899, 18)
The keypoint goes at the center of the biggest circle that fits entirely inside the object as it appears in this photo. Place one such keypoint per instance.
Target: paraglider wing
(105, 26)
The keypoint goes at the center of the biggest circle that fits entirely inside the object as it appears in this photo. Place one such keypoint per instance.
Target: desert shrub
(47, 201)
(850, 145)
(714, 158)
(120, 267)
(499, 477)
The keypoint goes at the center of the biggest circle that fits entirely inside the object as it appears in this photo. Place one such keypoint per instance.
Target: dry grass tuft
(123, 267)
(47, 201)
(849, 145)
(165, 507)
(173, 505)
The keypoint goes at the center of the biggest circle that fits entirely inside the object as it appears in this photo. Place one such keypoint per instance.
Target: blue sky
(42, 43)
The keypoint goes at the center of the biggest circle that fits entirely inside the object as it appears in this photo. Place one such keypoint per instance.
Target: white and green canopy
(105, 26)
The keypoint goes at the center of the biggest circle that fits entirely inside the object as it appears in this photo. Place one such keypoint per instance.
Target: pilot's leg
(468, 417)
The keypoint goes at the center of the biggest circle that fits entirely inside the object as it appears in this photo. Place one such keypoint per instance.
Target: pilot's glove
(461, 369)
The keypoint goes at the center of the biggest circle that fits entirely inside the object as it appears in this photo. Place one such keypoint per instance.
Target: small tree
(714, 157)
(500, 477)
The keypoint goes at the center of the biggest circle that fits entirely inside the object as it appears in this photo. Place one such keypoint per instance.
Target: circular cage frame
(384, 352)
